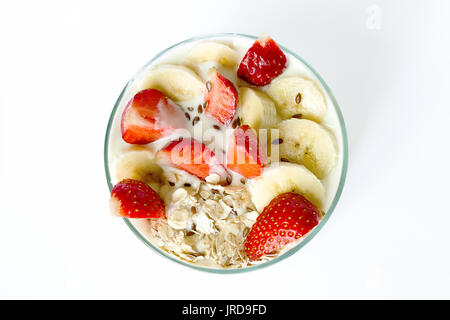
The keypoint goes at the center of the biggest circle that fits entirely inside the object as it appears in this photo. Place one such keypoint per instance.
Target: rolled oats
(249, 218)
(178, 219)
(213, 178)
(202, 223)
(204, 194)
(206, 223)
(179, 195)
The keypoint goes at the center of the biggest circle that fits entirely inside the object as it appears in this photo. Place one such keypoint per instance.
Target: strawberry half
(262, 63)
(150, 116)
(221, 98)
(288, 217)
(132, 198)
(245, 156)
(193, 157)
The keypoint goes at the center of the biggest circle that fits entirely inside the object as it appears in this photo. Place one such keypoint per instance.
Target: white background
(62, 66)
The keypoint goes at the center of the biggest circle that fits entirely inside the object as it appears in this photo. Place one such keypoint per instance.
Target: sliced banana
(307, 142)
(213, 51)
(175, 81)
(283, 177)
(257, 109)
(139, 164)
(298, 96)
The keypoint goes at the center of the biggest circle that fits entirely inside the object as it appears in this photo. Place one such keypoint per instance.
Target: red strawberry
(193, 157)
(245, 156)
(221, 98)
(263, 62)
(135, 199)
(286, 218)
(150, 116)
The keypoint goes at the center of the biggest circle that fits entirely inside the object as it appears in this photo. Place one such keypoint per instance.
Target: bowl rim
(294, 249)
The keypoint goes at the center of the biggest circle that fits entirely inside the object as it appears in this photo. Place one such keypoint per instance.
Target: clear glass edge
(308, 237)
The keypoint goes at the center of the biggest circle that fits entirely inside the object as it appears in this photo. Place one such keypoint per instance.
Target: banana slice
(177, 82)
(213, 51)
(257, 109)
(308, 143)
(285, 177)
(298, 96)
(139, 164)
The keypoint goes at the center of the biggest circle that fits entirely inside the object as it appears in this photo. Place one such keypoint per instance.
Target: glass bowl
(308, 237)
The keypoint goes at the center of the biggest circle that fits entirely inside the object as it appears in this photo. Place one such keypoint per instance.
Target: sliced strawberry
(150, 116)
(193, 157)
(245, 156)
(288, 217)
(262, 63)
(135, 199)
(221, 98)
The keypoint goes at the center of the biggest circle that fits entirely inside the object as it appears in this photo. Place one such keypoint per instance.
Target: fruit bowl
(334, 190)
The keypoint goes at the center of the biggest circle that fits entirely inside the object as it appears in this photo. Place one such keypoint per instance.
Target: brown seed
(189, 233)
(298, 98)
(190, 109)
(171, 183)
(187, 184)
(193, 209)
(187, 116)
(236, 123)
(196, 119)
(199, 108)
(242, 180)
(229, 179)
(297, 116)
(277, 141)
(216, 127)
(205, 105)
(208, 86)
(284, 160)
